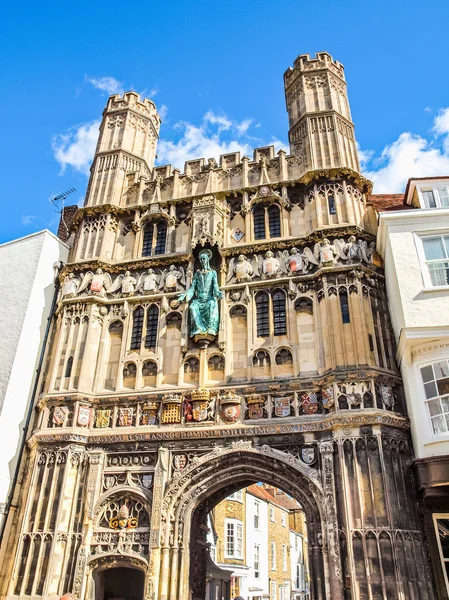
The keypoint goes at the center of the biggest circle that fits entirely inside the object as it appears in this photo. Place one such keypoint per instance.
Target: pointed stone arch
(215, 475)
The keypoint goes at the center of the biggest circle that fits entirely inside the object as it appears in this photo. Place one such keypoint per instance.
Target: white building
(27, 289)
(415, 246)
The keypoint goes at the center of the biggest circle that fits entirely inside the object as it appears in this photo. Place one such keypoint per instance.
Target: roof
(280, 499)
(386, 202)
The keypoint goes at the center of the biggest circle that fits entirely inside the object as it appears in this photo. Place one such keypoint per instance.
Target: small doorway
(119, 583)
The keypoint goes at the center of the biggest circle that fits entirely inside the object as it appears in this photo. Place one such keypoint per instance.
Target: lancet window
(154, 238)
(152, 321)
(266, 219)
(271, 314)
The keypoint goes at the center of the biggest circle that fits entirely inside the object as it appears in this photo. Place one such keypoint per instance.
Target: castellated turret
(126, 148)
(321, 132)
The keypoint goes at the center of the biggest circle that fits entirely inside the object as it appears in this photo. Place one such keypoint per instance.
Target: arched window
(274, 221)
(129, 375)
(331, 204)
(344, 305)
(266, 219)
(173, 319)
(263, 314)
(192, 365)
(259, 223)
(261, 359)
(149, 369)
(284, 357)
(136, 336)
(152, 322)
(216, 363)
(154, 238)
(68, 367)
(279, 313)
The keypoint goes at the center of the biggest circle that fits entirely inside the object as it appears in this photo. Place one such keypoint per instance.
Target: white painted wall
(26, 292)
(419, 313)
(256, 536)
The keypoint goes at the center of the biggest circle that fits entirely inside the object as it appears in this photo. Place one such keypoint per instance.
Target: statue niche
(203, 296)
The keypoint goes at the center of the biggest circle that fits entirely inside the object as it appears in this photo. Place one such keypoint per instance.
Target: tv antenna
(58, 201)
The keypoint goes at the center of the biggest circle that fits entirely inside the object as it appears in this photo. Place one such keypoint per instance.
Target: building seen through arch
(217, 328)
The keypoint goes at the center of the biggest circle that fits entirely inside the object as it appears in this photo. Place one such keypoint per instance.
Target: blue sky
(215, 70)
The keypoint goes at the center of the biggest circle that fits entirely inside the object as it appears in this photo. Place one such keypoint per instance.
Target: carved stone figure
(128, 283)
(271, 266)
(172, 279)
(99, 282)
(203, 295)
(325, 253)
(148, 282)
(240, 271)
(70, 286)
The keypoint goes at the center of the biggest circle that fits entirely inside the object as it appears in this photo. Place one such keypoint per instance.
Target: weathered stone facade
(139, 429)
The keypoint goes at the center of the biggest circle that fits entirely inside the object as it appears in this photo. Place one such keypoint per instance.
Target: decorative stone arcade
(215, 328)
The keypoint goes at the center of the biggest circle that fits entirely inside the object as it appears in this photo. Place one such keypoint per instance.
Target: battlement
(225, 162)
(131, 100)
(304, 64)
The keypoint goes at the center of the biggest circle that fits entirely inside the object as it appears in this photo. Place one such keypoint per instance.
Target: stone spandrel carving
(203, 296)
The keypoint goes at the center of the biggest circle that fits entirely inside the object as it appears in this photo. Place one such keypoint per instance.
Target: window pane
(259, 223)
(440, 369)
(434, 408)
(443, 386)
(280, 315)
(427, 373)
(445, 404)
(148, 233)
(443, 530)
(444, 196)
(429, 199)
(262, 315)
(431, 389)
(434, 248)
(446, 244)
(439, 272)
(439, 425)
(161, 236)
(274, 221)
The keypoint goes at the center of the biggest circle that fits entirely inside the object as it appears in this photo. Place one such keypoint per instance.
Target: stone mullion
(333, 544)
(103, 347)
(361, 496)
(26, 573)
(96, 462)
(161, 474)
(67, 356)
(54, 369)
(71, 516)
(76, 351)
(349, 513)
(364, 329)
(92, 343)
(390, 516)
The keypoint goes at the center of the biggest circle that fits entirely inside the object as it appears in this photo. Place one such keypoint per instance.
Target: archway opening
(119, 583)
(250, 541)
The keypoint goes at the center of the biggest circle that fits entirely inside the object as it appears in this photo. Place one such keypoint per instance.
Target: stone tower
(170, 380)
(321, 131)
(126, 148)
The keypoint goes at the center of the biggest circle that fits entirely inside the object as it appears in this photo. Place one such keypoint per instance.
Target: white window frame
(273, 556)
(433, 434)
(236, 496)
(427, 281)
(256, 561)
(283, 519)
(256, 514)
(436, 195)
(272, 514)
(437, 516)
(272, 590)
(284, 558)
(237, 539)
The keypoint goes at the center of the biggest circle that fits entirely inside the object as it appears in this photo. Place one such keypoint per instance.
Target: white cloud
(163, 110)
(217, 134)
(28, 219)
(410, 155)
(107, 84)
(76, 147)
